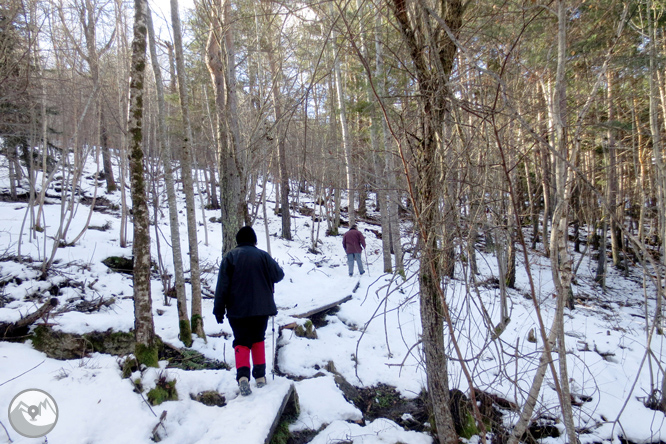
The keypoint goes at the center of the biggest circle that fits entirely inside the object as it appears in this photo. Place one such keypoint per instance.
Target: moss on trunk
(197, 326)
(147, 354)
(185, 333)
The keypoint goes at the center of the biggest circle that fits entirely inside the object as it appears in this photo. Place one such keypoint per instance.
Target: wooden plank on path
(290, 399)
(320, 309)
(249, 419)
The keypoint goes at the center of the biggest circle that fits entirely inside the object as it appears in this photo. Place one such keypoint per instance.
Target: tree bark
(232, 113)
(559, 255)
(230, 176)
(280, 135)
(188, 183)
(393, 203)
(144, 330)
(658, 154)
(167, 156)
(346, 143)
(432, 77)
(615, 230)
(379, 163)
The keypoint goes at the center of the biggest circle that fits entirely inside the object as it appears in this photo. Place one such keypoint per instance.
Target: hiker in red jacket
(245, 294)
(353, 242)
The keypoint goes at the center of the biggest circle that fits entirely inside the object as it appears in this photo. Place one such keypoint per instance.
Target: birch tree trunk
(346, 143)
(144, 330)
(121, 87)
(186, 167)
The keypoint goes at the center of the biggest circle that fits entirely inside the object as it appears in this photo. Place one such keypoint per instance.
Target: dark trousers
(249, 335)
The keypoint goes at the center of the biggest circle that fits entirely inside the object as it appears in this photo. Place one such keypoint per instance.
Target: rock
(210, 398)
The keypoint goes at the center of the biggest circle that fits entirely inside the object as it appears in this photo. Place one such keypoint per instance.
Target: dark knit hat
(246, 235)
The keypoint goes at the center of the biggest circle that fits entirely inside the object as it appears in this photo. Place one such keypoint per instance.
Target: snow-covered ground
(370, 340)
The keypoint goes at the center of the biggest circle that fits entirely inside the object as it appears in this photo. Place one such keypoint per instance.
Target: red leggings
(249, 336)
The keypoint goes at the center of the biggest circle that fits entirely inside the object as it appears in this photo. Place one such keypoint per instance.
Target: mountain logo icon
(33, 413)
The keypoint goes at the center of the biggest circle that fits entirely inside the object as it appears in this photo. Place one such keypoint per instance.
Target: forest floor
(357, 368)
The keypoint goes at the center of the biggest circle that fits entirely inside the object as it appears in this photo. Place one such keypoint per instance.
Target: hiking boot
(261, 382)
(244, 385)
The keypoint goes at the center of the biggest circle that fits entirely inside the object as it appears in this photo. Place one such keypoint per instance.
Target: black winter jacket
(245, 283)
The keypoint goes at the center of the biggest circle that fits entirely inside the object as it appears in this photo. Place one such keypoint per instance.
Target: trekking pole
(273, 347)
(367, 264)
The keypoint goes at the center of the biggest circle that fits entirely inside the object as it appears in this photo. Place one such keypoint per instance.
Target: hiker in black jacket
(245, 293)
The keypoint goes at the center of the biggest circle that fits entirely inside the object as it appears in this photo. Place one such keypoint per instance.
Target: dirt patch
(20, 197)
(319, 319)
(102, 204)
(303, 437)
(120, 264)
(384, 401)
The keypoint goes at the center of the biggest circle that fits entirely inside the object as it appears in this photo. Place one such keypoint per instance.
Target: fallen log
(322, 308)
(21, 327)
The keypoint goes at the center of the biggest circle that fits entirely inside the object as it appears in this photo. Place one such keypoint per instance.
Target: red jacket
(352, 241)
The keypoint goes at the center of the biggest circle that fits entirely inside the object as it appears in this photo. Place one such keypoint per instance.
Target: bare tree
(231, 178)
(144, 330)
(179, 276)
(281, 126)
(346, 142)
(432, 75)
(186, 167)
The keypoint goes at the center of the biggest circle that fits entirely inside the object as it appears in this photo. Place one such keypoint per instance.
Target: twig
(8, 437)
(144, 398)
(27, 371)
(402, 364)
(160, 423)
(317, 269)
(6, 330)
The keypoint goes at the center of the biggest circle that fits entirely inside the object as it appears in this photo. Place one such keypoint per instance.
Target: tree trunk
(230, 177)
(658, 154)
(106, 153)
(433, 89)
(346, 143)
(232, 114)
(122, 104)
(186, 167)
(167, 156)
(212, 183)
(380, 184)
(546, 189)
(144, 331)
(615, 212)
(392, 180)
(280, 135)
(559, 256)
